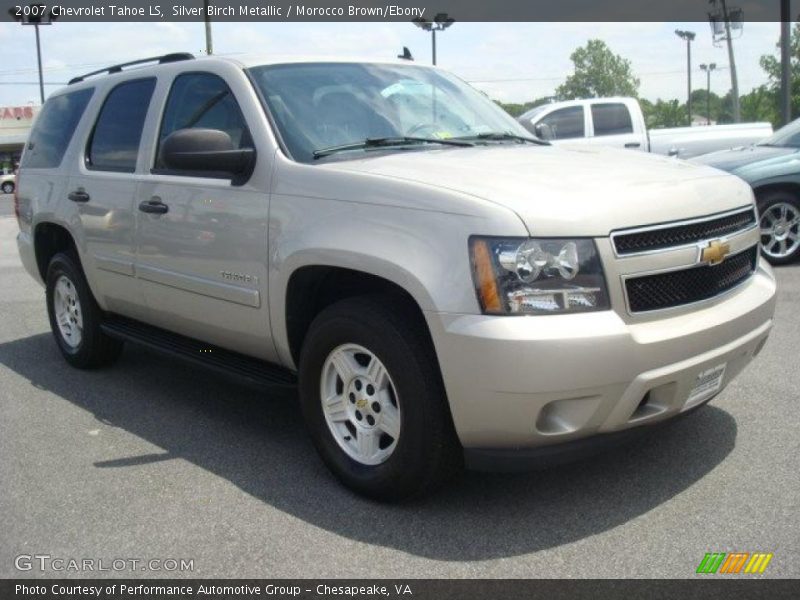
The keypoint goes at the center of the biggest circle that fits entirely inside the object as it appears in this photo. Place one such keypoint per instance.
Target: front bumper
(530, 382)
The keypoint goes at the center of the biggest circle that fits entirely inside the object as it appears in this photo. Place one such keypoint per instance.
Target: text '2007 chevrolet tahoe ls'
(441, 286)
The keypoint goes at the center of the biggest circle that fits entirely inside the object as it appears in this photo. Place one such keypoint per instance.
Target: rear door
(612, 125)
(103, 190)
(202, 258)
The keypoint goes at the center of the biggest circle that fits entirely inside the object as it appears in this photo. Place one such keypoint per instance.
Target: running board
(243, 369)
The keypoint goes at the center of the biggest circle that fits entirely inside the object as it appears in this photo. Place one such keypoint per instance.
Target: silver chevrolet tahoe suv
(441, 287)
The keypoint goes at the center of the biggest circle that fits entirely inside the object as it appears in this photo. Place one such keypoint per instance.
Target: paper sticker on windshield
(442, 135)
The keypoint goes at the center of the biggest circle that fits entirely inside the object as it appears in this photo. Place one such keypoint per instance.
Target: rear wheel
(75, 317)
(780, 226)
(8, 187)
(373, 399)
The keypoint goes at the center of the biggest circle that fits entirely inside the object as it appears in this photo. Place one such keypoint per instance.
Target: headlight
(537, 276)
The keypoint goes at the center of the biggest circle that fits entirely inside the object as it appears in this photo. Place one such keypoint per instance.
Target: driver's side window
(563, 124)
(202, 100)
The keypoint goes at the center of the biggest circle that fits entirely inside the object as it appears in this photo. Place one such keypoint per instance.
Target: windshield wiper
(386, 142)
(503, 136)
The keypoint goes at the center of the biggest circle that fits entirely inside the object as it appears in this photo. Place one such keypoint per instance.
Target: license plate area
(707, 383)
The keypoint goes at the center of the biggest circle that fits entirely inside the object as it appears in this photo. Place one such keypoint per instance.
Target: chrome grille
(674, 235)
(685, 286)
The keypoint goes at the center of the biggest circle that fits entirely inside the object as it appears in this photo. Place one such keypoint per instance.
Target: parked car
(772, 168)
(441, 287)
(619, 122)
(8, 183)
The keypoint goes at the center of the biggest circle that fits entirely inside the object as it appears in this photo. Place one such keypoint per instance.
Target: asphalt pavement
(152, 459)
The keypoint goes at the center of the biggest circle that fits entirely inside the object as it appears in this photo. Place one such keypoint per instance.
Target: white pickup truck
(619, 122)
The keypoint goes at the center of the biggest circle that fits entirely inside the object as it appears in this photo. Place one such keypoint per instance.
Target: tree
(598, 73)
(515, 109)
(772, 65)
(663, 113)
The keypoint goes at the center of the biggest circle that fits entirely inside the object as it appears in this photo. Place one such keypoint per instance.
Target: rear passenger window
(202, 100)
(54, 128)
(114, 144)
(611, 119)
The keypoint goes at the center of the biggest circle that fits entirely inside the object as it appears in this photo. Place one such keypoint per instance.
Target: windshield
(788, 136)
(317, 106)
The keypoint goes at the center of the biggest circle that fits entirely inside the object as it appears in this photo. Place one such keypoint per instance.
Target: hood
(561, 190)
(737, 158)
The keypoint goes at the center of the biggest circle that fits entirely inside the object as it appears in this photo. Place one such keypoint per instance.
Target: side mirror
(209, 150)
(544, 131)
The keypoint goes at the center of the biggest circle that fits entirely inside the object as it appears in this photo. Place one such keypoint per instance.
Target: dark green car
(772, 168)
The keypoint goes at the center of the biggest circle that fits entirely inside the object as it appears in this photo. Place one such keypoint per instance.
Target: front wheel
(373, 399)
(8, 187)
(780, 227)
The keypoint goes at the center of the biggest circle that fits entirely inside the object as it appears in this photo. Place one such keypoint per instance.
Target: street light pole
(708, 69)
(38, 14)
(689, 37)
(737, 113)
(207, 19)
(440, 22)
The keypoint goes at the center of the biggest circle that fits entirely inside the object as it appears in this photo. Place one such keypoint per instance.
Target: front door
(202, 239)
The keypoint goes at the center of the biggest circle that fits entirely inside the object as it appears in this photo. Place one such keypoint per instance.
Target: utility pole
(689, 37)
(737, 112)
(786, 59)
(708, 69)
(207, 19)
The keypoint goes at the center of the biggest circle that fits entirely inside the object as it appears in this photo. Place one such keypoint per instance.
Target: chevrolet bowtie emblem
(715, 252)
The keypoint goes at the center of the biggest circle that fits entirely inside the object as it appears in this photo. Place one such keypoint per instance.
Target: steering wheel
(416, 129)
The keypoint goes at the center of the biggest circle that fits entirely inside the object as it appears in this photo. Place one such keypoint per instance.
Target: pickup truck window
(54, 128)
(202, 100)
(114, 143)
(317, 106)
(611, 119)
(564, 124)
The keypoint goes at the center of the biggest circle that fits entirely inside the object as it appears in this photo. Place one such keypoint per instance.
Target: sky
(511, 62)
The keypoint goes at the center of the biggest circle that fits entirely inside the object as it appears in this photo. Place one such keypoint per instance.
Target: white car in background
(619, 123)
(8, 183)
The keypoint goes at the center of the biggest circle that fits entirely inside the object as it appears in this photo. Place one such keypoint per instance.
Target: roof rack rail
(166, 58)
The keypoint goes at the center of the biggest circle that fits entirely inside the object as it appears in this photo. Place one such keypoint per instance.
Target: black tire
(95, 348)
(8, 187)
(427, 453)
(769, 200)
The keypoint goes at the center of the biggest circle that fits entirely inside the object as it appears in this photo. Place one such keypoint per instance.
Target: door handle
(154, 206)
(78, 196)
(633, 145)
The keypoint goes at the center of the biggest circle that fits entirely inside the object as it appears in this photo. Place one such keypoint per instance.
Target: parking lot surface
(152, 459)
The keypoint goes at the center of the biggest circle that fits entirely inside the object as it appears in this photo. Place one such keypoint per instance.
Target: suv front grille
(676, 288)
(671, 236)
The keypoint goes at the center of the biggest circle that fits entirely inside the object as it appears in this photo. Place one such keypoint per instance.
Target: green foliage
(767, 97)
(663, 113)
(515, 109)
(598, 73)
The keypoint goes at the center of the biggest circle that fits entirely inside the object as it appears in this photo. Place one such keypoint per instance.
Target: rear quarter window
(54, 128)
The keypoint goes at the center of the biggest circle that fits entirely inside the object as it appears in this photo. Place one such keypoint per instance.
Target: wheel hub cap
(360, 404)
(67, 309)
(780, 230)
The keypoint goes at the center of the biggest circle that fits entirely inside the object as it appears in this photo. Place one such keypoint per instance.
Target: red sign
(16, 112)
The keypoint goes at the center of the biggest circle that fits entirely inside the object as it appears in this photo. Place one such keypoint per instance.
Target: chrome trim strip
(633, 313)
(671, 224)
(200, 285)
(114, 265)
